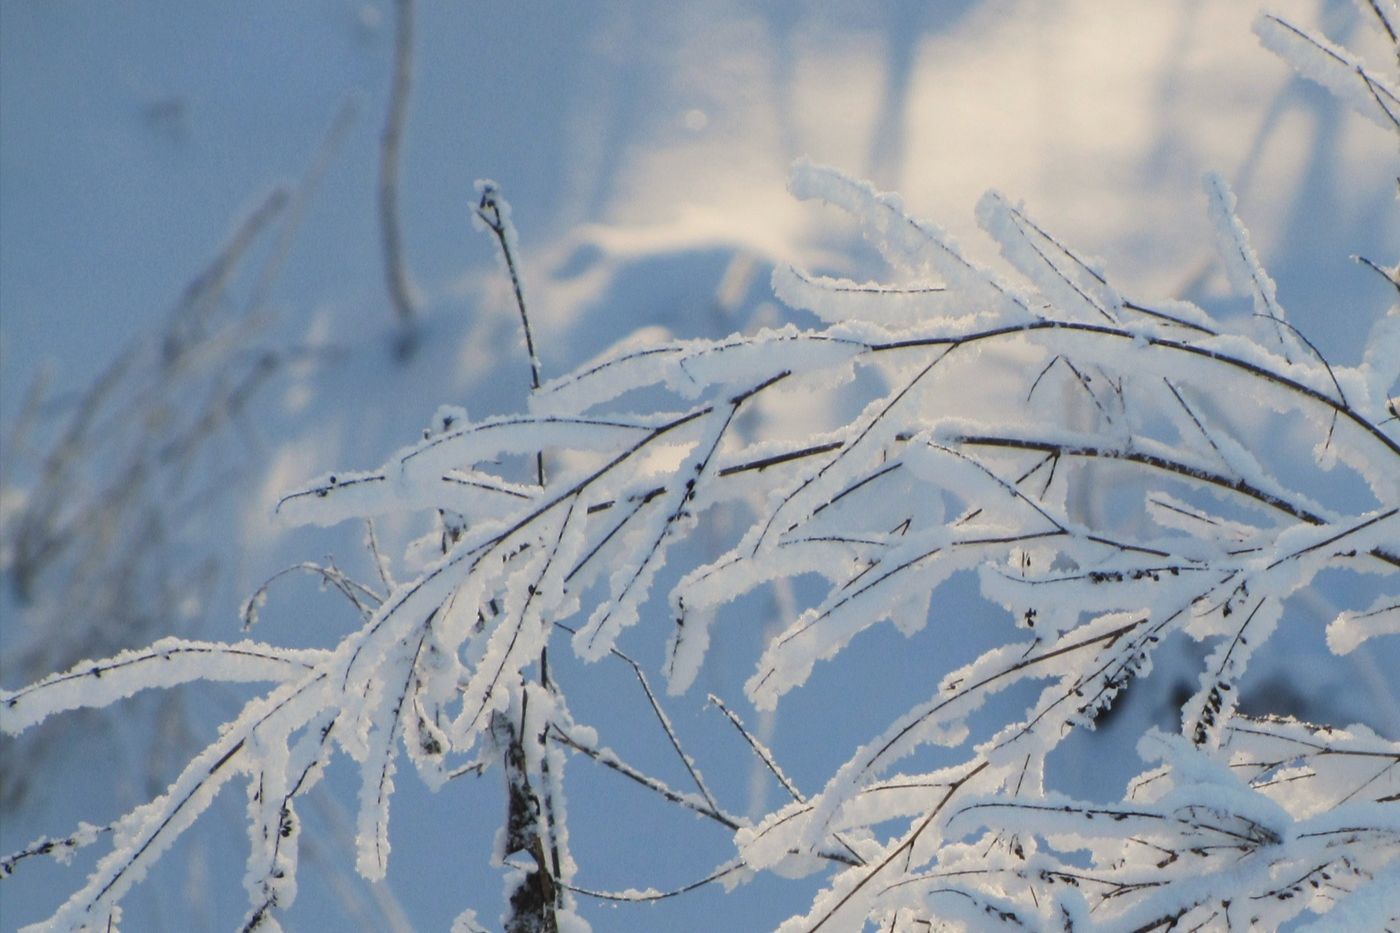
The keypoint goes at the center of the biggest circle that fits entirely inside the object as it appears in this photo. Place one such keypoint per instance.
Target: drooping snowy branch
(977, 418)
(167, 663)
(1333, 67)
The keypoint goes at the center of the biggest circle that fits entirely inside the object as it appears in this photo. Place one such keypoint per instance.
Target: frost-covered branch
(972, 424)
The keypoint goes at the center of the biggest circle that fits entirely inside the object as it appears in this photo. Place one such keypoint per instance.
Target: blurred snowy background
(645, 148)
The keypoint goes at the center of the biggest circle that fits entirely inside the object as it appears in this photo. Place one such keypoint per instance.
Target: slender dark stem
(1163, 343)
(636, 897)
(1144, 459)
(498, 222)
(1391, 278)
(612, 761)
(396, 275)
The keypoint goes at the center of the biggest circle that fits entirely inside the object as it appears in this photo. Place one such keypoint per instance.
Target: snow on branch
(978, 425)
(167, 663)
(1333, 67)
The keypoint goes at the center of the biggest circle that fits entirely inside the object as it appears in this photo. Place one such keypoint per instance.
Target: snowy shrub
(1099, 465)
(105, 545)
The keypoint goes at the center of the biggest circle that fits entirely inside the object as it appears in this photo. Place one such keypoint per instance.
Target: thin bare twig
(661, 717)
(610, 760)
(498, 222)
(396, 275)
(759, 749)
